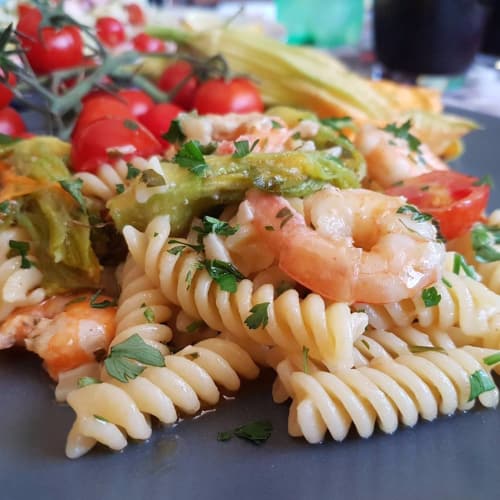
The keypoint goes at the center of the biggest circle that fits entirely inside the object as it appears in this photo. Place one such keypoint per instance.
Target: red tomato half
(110, 138)
(11, 122)
(454, 200)
(173, 76)
(49, 49)
(234, 96)
(158, 119)
(136, 16)
(110, 31)
(148, 44)
(137, 100)
(6, 93)
(98, 107)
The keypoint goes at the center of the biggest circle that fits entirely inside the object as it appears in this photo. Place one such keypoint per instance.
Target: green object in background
(325, 23)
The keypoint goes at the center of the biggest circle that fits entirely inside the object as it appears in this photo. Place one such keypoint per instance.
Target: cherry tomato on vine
(232, 96)
(173, 76)
(110, 31)
(137, 100)
(6, 93)
(108, 139)
(11, 122)
(98, 107)
(148, 44)
(50, 48)
(158, 119)
(455, 200)
(136, 16)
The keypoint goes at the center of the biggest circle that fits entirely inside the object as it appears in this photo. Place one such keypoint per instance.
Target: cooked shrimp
(390, 160)
(65, 331)
(360, 249)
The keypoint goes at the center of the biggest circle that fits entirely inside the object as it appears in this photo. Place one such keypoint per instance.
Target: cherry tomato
(49, 49)
(148, 44)
(107, 139)
(110, 31)
(138, 101)
(98, 107)
(24, 8)
(173, 76)
(136, 16)
(455, 200)
(158, 119)
(234, 96)
(11, 122)
(6, 93)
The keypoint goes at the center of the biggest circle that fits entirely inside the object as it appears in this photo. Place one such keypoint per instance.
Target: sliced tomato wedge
(455, 200)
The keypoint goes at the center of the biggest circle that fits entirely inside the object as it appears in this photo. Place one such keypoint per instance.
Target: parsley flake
(365, 343)
(459, 263)
(243, 148)
(85, 381)
(257, 432)
(414, 212)
(338, 123)
(224, 436)
(174, 134)
(403, 132)
(431, 297)
(194, 326)
(5, 207)
(21, 248)
(285, 214)
(191, 158)
(224, 274)
(446, 282)
(118, 364)
(130, 124)
(483, 240)
(480, 382)
(132, 172)
(7, 140)
(120, 188)
(416, 349)
(305, 359)
(486, 180)
(493, 359)
(149, 314)
(258, 317)
(74, 188)
(214, 225)
(183, 245)
(276, 124)
(103, 304)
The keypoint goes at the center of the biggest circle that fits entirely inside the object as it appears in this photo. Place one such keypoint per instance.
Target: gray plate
(451, 458)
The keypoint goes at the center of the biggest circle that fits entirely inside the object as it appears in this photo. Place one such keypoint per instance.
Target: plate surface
(451, 458)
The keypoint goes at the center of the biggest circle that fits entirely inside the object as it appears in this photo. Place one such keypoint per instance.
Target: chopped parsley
(403, 132)
(460, 264)
(276, 124)
(103, 304)
(446, 282)
(224, 274)
(365, 343)
(194, 326)
(74, 188)
(431, 297)
(130, 124)
(21, 248)
(7, 140)
(101, 419)
(486, 180)
(257, 432)
(149, 314)
(493, 359)
(296, 136)
(119, 365)
(414, 212)
(85, 381)
(214, 225)
(132, 172)
(305, 359)
(5, 207)
(483, 240)
(258, 317)
(480, 382)
(174, 134)
(191, 158)
(182, 245)
(285, 214)
(338, 123)
(269, 228)
(120, 188)
(243, 148)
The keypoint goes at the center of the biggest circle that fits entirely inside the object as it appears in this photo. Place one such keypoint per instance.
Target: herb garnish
(182, 245)
(191, 157)
(195, 325)
(85, 381)
(257, 432)
(130, 124)
(120, 188)
(415, 349)
(365, 343)
(132, 172)
(305, 359)
(486, 180)
(415, 213)
(243, 148)
(431, 297)
(459, 263)
(493, 359)
(103, 304)
(338, 123)
(286, 214)
(403, 132)
(7, 140)
(21, 248)
(118, 364)
(74, 188)
(224, 274)
(483, 238)
(149, 314)
(258, 317)
(214, 225)
(446, 282)
(174, 134)
(480, 382)
(276, 124)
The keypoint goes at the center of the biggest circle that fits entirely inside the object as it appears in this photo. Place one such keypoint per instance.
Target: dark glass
(428, 36)
(491, 42)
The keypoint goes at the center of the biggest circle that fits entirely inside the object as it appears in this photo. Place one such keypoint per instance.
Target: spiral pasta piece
(109, 411)
(385, 392)
(327, 330)
(19, 286)
(465, 303)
